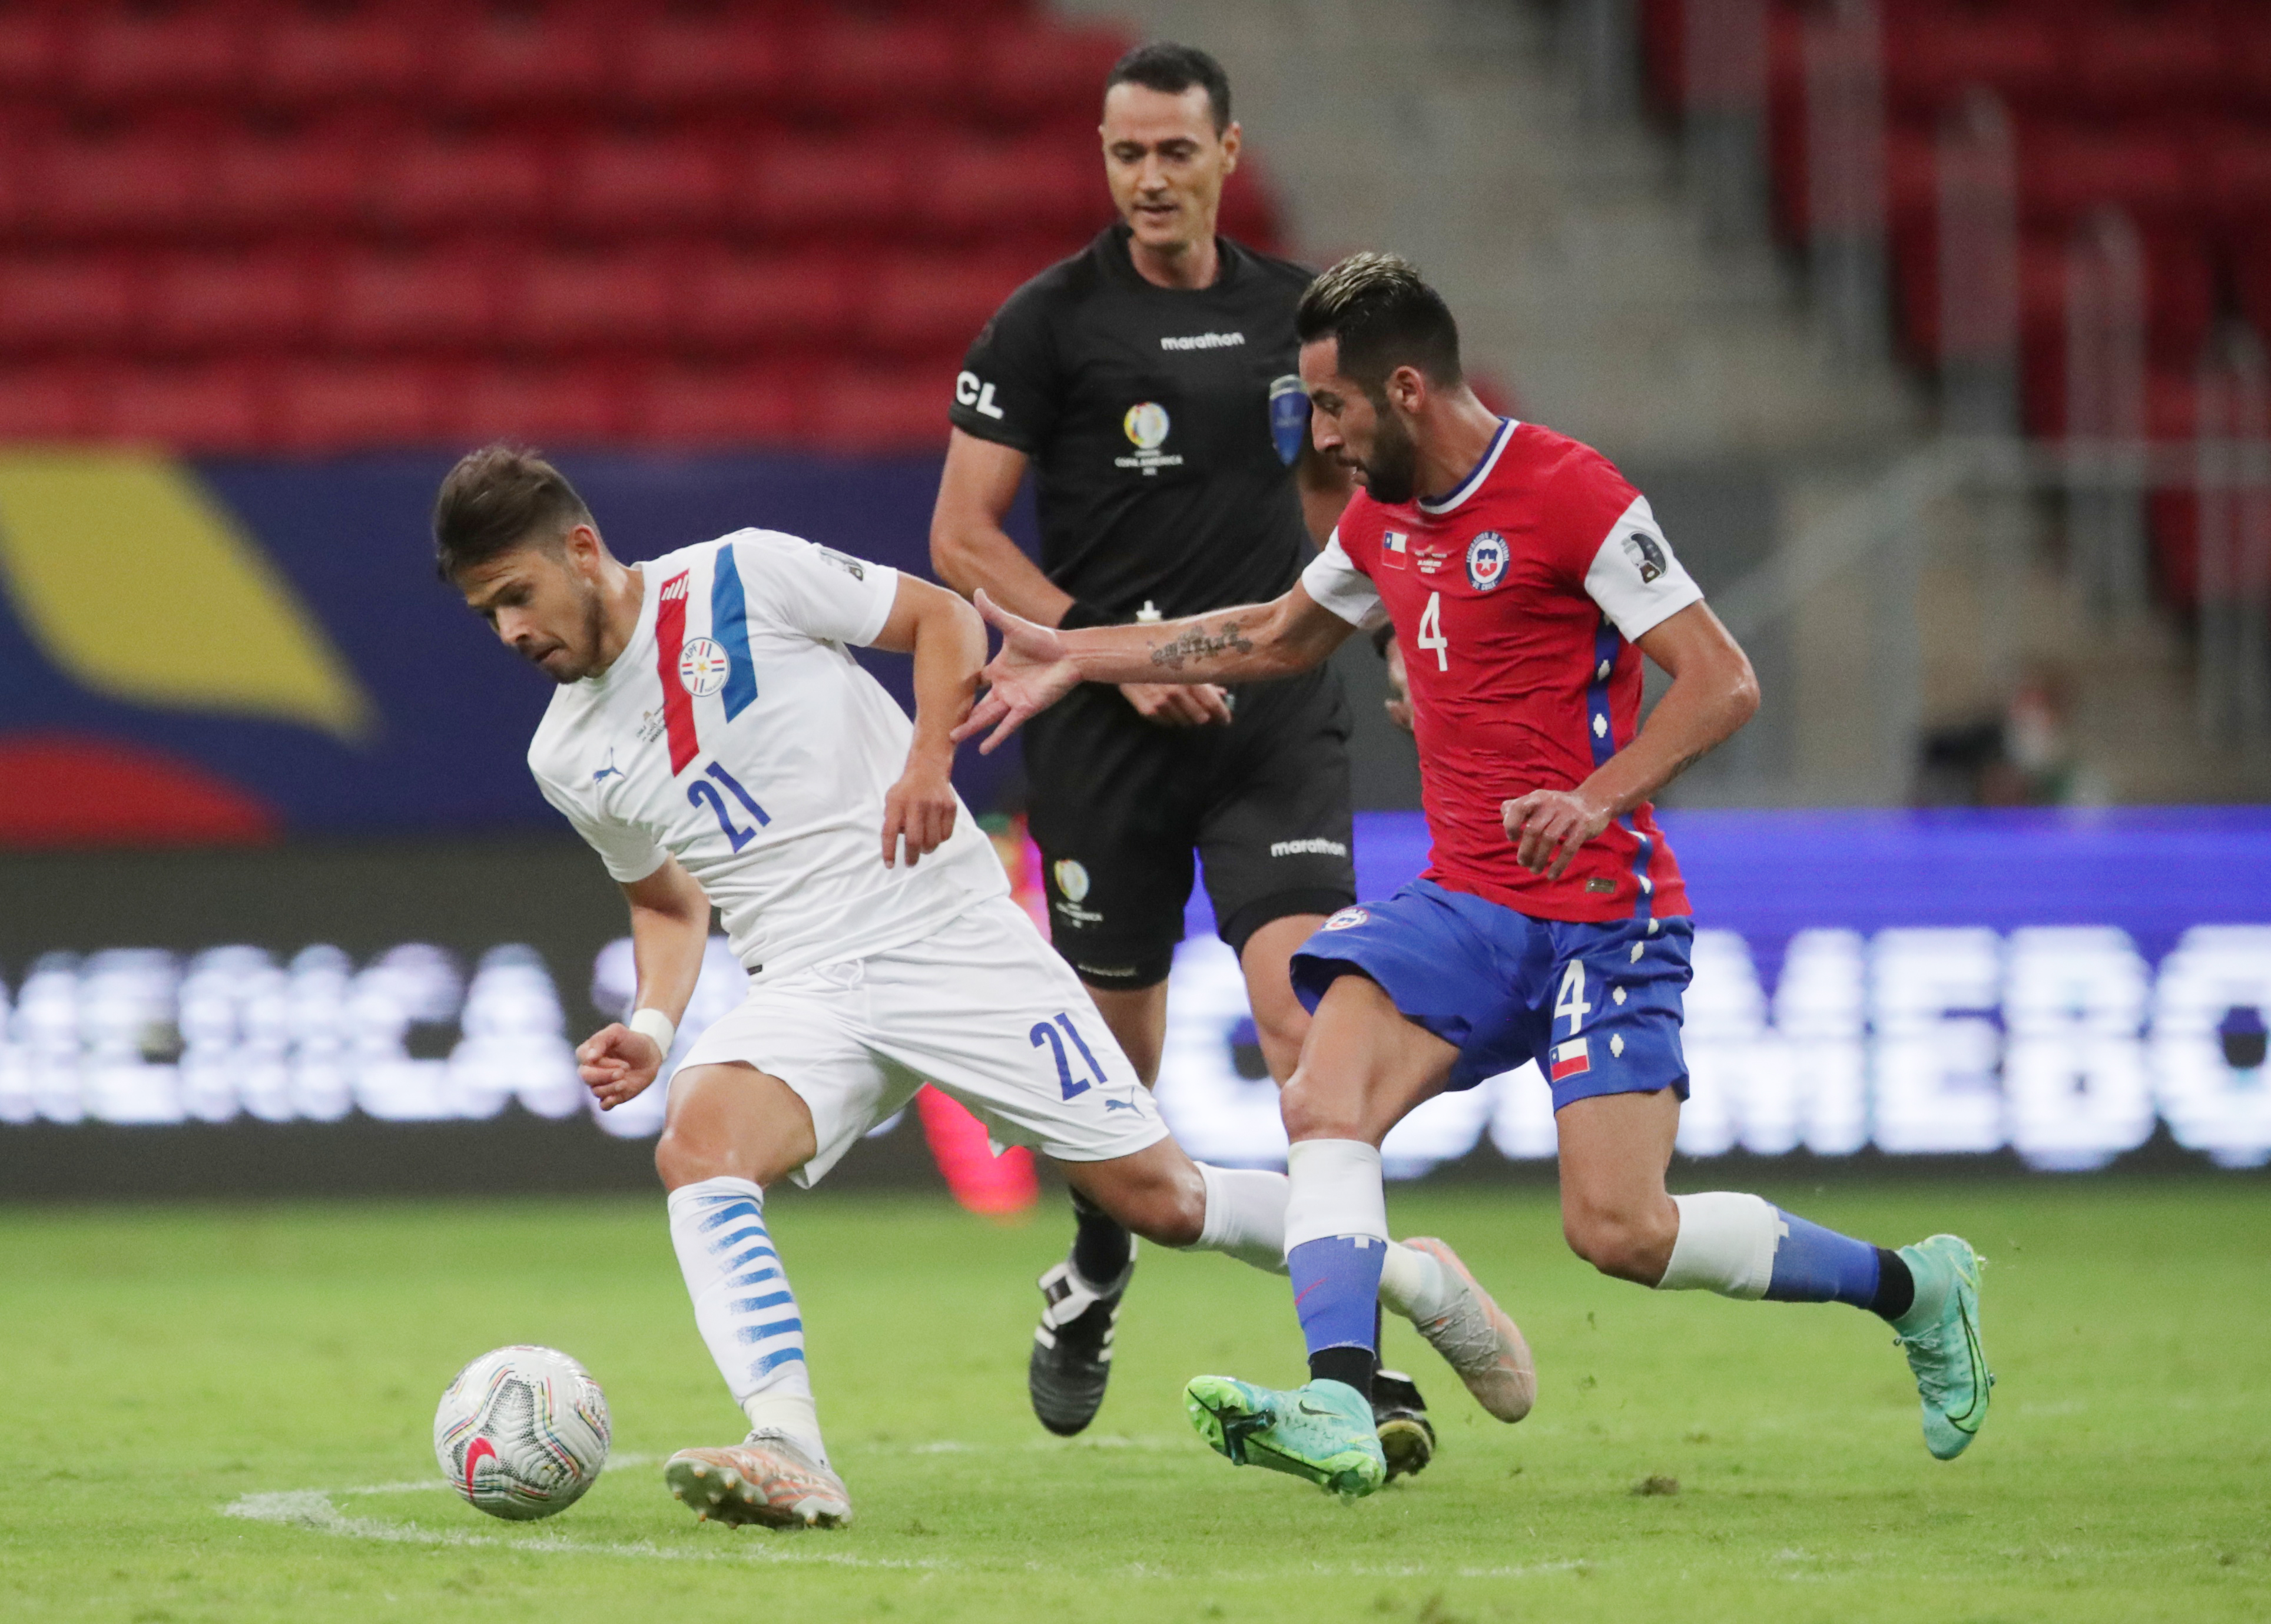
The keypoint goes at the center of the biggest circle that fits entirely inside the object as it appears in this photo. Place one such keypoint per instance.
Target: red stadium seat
(32, 43)
(564, 303)
(851, 67)
(1043, 71)
(933, 305)
(261, 186)
(547, 406)
(619, 187)
(715, 407)
(125, 54)
(149, 187)
(333, 406)
(796, 190)
(434, 184)
(229, 303)
(213, 407)
(1931, 57)
(46, 402)
(539, 55)
(61, 304)
(702, 60)
(2148, 62)
(318, 58)
(435, 302)
(736, 305)
(1045, 188)
(2065, 170)
(1248, 214)
(2237, 159)
(893, 409)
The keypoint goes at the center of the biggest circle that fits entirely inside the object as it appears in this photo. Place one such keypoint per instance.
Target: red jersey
(1516, 600)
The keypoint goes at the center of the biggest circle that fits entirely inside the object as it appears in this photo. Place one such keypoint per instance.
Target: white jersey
(736, 734)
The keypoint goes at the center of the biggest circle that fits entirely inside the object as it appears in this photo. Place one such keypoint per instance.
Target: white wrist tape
(654, 1023)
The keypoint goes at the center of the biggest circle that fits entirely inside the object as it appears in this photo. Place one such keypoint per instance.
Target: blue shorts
(1596, 1005)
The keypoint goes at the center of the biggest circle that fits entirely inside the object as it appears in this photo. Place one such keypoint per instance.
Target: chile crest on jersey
(1486, 561)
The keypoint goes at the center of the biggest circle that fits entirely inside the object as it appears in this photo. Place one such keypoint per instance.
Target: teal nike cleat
(1941, 1335)
(1323, 1431)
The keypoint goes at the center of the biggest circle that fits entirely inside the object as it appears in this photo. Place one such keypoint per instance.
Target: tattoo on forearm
(1199, 644)
(1685, 762)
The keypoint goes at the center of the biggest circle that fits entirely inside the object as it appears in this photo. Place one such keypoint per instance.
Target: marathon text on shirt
(1315, 847)
(1203, 341)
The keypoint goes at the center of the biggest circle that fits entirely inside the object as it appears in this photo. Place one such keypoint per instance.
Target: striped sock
(743, 1306)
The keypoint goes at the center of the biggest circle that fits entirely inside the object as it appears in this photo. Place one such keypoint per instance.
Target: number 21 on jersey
(1431, 631)
(699, 793)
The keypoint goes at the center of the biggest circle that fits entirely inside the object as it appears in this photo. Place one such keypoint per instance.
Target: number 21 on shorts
(1071, 1085)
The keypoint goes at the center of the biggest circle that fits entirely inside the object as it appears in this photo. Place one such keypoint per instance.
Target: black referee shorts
(1120, 805)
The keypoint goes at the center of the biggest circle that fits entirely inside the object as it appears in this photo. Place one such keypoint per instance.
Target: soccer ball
(522, 1432)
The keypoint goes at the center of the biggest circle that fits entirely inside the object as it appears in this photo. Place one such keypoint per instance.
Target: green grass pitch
(169, 1369)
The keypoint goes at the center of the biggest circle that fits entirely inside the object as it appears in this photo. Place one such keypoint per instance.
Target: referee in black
(1150, 384)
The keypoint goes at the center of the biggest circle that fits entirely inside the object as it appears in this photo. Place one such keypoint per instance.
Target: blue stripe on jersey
(1601, 733)
(1600, 726)
(729, 624)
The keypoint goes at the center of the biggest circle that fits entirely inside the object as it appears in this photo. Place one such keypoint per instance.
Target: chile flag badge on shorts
(1289, 417)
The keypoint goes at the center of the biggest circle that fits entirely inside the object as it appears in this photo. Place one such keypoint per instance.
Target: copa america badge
(1486, 557)
(702, 667)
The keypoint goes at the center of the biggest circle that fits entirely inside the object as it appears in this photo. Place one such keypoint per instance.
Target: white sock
(1244, 1216)
(1413, 1284)
(1726, 1245)
(743, 1306)
(1333, 1189)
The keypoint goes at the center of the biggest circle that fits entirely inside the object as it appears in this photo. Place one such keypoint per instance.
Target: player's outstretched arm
(1038, 665)
(1713, 692)
(670, 930)
(948, 643)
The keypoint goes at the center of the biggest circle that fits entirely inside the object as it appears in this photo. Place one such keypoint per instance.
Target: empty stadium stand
(239, 225)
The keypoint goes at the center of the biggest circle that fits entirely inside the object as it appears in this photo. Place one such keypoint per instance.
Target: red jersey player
(1551, 922)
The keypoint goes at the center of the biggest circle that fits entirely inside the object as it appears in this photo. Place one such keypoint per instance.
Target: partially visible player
(1551, 922)
(715, 741)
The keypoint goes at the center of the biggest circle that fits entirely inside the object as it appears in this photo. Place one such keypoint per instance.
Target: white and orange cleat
(1477, 1340)
(767, 1478)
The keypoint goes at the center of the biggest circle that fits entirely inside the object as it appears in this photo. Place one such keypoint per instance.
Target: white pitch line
(312, 1509)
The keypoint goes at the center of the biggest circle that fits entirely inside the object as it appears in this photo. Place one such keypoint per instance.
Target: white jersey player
(715, 741)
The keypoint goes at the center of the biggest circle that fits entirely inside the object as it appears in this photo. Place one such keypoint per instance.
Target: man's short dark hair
(499, 498)
(1385, 317)
(1170, 69)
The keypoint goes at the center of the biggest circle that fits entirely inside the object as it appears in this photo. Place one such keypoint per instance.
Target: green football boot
(1941, 1335)
(1323, 1432)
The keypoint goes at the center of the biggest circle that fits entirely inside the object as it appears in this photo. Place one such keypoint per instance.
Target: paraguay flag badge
(1571, 1058)
(1289, 417)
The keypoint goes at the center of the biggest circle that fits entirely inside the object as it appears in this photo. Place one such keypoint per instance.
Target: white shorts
(982, 1007)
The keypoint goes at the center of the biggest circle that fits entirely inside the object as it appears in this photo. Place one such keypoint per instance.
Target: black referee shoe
(1072, 1349)
(1407, 1437)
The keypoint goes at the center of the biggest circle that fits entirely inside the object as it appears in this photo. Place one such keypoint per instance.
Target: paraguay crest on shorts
(1486, 559)
(1289, 417)
(702, 667)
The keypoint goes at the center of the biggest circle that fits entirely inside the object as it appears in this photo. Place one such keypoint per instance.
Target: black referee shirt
(1163, 425)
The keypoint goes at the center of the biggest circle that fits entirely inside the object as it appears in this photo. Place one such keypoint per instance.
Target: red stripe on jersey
(677, 703)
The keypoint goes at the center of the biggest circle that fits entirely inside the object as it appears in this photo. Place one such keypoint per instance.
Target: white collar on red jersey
(1439, 506)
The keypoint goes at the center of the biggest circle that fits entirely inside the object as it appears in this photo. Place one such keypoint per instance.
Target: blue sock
(1336, 1290)
(1813, 1264)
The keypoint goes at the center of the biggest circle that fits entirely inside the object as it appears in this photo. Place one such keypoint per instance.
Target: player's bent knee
(1626, 1246)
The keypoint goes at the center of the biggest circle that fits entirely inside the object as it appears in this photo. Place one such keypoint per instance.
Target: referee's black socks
(1101, 1245)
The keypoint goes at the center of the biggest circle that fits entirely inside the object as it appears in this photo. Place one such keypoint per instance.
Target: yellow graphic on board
(139, 585)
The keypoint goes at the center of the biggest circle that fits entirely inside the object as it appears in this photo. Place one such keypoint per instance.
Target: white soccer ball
(522, 1432)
